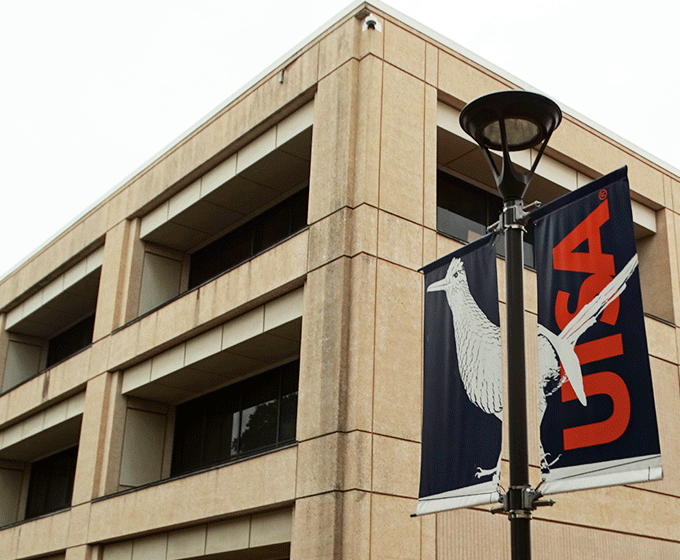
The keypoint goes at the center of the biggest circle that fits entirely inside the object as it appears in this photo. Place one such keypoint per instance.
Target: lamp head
(509, 121)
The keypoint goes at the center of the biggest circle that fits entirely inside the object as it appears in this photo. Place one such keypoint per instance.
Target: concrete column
(4, 343)
(120, 278)
(373, 172)
(101, 438)
(659, 269)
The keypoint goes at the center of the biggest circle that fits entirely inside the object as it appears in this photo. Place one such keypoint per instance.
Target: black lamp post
(510, 121)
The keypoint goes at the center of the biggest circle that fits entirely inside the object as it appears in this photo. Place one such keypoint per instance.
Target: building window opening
(464, 212)
(70, 342)
(51, 483)
(254, 415)
(256, 236)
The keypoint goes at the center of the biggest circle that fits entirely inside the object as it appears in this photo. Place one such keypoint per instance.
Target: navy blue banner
(463, 384)
(596, 405)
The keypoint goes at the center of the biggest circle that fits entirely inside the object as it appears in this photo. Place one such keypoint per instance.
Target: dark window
(465, 211)
(71, 341)
(51, 484)
(256, 236)
(250, 416)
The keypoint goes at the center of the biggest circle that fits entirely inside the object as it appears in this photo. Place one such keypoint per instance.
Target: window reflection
(243, 418)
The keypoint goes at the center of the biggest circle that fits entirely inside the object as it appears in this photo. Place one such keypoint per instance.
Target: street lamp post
(510, 121)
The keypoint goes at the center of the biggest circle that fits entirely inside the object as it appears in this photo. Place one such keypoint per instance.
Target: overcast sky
(92, 90)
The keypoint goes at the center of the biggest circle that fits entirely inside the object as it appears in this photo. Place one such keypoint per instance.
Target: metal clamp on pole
(514, 215)
(519, 502)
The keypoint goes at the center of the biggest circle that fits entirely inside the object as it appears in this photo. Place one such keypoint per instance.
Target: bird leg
(545, 465)
(496, 471)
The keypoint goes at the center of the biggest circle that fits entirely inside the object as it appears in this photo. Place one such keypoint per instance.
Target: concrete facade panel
(43, 536)
(142, 459)
(118, 551)
(430, 158)
(402, 145)
(186, 543)
(339, 46)
(398, 381)
(316, 528)
(666, 383)
(68, 375)
(333, 138)
(202, 346)
(92, 405)
(431, 64)
(361, 344)
(674, 187)
(550, 539)
(233, 534)
(396, 466)
(368, 119)
(10, 492)
(79, 521)
(283, 310)
(259, 482)
(400, 241)
(470, 534)
(404, 50)
(364, 230)
(322, 353)
(270, 528)
(464, 81)
(394, 533)
(154, 546)
(330, 238)
(660, 340)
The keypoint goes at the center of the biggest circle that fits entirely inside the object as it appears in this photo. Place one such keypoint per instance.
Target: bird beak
(438, 286)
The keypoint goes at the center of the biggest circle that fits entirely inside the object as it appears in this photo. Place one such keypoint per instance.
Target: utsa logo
(601, 273)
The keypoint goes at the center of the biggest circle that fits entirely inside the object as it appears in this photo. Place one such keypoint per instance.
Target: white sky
(91, 90)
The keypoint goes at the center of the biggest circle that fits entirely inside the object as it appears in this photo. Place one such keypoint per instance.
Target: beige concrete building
(223, 358)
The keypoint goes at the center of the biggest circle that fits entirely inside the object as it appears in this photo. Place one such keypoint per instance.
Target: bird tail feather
(565, 342)
(589, 313)
(567, 357)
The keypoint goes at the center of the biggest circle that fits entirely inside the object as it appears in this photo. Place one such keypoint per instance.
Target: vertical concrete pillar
(332, 512)
(100, 439)
(11, 482)
(333, 142)
(4, 343)
(659, 269)
(120, 278)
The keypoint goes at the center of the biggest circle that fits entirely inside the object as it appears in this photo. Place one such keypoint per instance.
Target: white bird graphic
(478, 345)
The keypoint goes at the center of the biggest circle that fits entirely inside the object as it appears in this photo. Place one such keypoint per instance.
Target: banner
(596, 406)
(463, 383)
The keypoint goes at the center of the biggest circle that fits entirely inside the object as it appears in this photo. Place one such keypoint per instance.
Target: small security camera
(371, 22)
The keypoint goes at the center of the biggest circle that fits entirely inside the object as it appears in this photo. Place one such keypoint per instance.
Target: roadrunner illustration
(478, 345)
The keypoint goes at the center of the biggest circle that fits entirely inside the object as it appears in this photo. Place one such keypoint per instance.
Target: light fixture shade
(509, 121)
(520, 132)
(525, 118)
